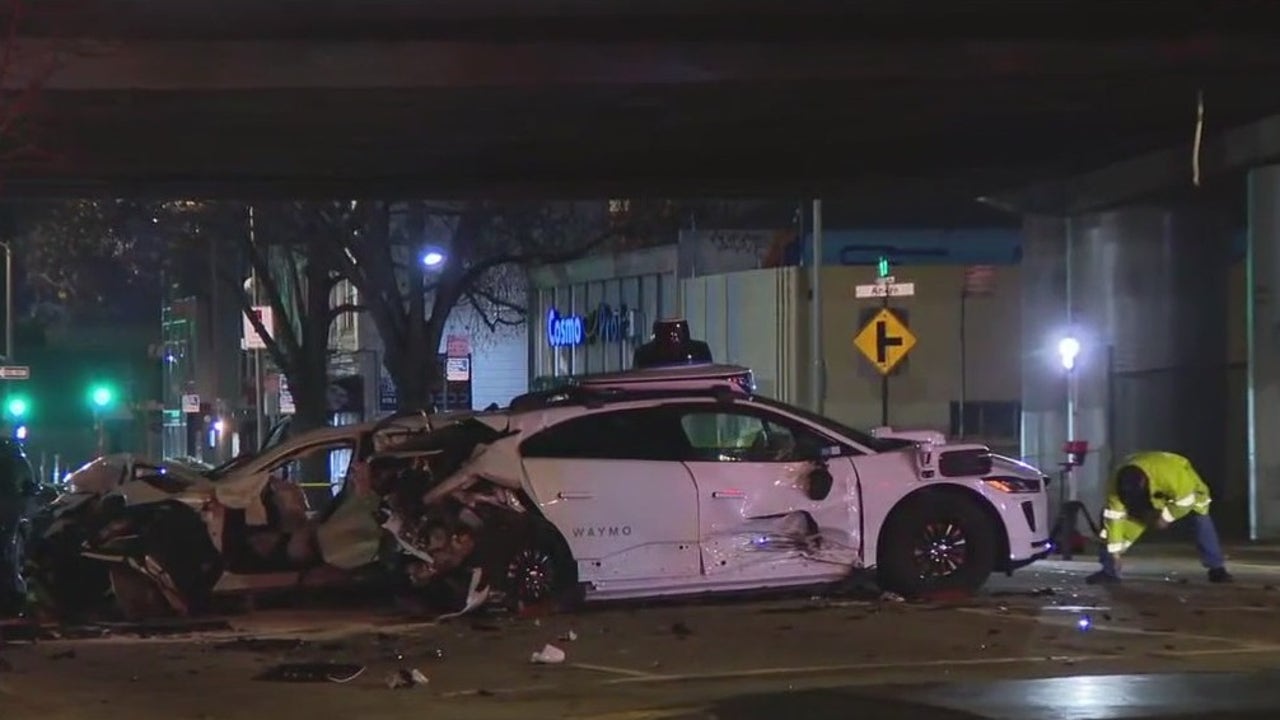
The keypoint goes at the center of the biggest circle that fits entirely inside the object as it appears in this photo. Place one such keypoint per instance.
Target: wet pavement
(1224, 696)
(1038, 645)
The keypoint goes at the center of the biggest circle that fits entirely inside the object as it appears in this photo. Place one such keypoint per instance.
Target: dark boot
(1220, 575)
(1102, 577)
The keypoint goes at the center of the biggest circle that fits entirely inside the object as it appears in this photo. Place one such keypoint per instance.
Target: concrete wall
(760, 318)
(756, 318)
(921, 393)
(1233, 504)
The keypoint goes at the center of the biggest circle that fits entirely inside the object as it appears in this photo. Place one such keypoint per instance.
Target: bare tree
(485, 250)
(285, 248)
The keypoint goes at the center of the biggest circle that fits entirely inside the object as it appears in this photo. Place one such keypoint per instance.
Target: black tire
(918, 553)
(541, 572)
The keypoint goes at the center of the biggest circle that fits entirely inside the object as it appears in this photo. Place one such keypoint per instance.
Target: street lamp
(433, 258)
(8, 302)
(1068, 350)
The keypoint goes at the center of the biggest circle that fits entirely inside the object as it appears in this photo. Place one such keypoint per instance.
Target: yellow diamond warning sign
(885, 341)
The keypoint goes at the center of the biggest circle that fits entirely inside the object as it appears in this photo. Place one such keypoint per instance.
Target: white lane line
(1255, 650)
(1096, 627)
(613, 670)
(852, 667)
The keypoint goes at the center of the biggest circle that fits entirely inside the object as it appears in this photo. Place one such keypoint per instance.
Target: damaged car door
(774, 499)
(613, 484)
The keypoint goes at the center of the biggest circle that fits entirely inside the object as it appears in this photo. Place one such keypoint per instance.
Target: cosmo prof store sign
(605, 324)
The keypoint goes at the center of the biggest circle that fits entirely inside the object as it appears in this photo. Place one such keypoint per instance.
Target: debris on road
(548, 655)
(569, 636)
(406, 678)
(263, 645)
(891, 597)
(680, 630)
(312, 672)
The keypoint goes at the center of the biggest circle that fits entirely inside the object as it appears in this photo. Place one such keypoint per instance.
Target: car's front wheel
(936, 542)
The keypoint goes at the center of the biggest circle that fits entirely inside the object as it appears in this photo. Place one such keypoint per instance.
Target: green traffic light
(882, 267)
(17, 407)
(101, 396)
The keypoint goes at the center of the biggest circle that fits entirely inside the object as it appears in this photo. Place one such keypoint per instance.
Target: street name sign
(15, 372)
(879, 290)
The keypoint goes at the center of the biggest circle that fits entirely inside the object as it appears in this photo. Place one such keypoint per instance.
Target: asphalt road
(1165, 644)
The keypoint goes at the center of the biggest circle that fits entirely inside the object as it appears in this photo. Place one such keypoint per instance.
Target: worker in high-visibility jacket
(1156, 489)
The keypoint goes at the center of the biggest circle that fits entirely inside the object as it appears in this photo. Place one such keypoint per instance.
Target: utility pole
(260, 416)
(815, 314)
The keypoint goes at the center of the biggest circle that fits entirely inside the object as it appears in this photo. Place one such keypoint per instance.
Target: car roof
(677, 375)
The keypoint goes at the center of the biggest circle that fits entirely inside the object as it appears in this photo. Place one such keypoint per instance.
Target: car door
(753, 469)
(612, 482)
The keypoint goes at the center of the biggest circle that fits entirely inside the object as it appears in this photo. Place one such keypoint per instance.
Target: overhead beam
(278, 64)
(601, 19)
(1166, 170)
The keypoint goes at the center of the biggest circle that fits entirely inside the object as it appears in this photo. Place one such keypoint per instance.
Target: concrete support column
(1263, 327)
(1044, 318)
(1143, 289)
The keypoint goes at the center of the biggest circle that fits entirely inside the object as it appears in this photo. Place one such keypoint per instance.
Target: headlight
(1014, 484)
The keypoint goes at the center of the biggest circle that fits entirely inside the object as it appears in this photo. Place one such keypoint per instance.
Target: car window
(719, 435)
(635, 434)
(316, 467)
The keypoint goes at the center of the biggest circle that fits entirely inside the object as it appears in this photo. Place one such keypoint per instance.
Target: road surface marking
(1097, 627)
(651, 714)
(824, 669)
(1258, 650)
(613, 670)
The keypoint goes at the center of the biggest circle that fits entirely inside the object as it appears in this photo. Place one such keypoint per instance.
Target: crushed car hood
(138, 480)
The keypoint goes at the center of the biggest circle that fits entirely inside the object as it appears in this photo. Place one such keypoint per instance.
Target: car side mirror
(820, 483)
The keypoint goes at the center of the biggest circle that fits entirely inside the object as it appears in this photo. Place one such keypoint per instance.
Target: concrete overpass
(874, 100)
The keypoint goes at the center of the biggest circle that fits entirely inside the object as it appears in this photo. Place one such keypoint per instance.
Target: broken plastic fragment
(548, 655)
(891, 597)
(406, 678)
(569, 636)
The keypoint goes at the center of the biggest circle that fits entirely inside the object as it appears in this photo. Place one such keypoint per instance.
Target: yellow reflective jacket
(1176, 490)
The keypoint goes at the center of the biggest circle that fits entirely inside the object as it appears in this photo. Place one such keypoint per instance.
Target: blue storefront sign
(605, 324)
(566, 331)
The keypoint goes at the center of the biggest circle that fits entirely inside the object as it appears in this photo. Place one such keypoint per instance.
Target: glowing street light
(1068, 351)
(432, 258)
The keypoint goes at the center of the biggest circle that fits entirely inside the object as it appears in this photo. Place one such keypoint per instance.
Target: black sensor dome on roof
(671, 346)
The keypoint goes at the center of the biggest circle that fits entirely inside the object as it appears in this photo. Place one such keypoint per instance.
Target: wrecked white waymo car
(653, 482)
(680, 480)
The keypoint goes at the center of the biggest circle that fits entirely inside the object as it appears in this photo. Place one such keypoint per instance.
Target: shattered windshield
(275, 436)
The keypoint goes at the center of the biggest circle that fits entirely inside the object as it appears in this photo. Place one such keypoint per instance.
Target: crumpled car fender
(498, 463)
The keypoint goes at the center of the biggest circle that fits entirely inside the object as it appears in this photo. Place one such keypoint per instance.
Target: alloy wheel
(940, 550)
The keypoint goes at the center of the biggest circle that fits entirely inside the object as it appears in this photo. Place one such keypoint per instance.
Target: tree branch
(493, 299)
(344, 309)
